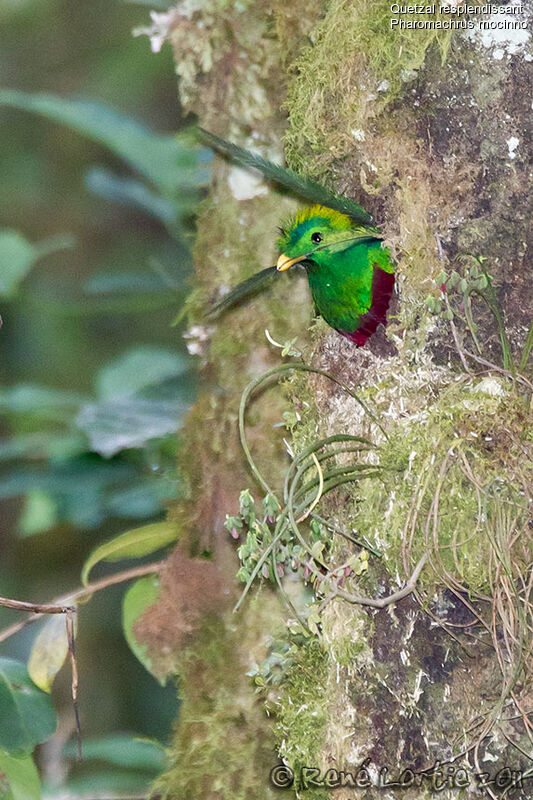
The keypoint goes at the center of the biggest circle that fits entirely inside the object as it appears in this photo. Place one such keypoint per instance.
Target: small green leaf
(290, 350)
(313, 620)
(49, 652)
(130, 192)
(316, 551)
(17, 257)
(131, 421)
(27, 398)
(132, 544)
(122, 750)
(39, 513)
(21, 776)
(26, 714)
(138, 368)
(142, 594)
(453, 280)
(270, 505)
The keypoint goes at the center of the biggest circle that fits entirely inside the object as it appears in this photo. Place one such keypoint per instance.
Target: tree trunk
(427, 128)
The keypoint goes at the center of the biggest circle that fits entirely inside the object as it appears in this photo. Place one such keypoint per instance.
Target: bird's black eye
(316, 238)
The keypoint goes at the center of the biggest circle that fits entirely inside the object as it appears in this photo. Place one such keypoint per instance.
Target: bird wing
(243, 291)
(304, 187)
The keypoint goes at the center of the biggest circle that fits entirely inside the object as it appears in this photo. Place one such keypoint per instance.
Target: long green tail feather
(304, 187)
(256, 283)
(243, 291)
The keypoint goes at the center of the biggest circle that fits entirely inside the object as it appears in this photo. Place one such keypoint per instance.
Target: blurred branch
(59, 605)
(38, 608)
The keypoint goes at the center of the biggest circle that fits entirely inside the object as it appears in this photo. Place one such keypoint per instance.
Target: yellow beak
(284, 262)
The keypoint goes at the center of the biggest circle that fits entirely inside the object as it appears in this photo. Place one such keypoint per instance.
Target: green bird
(351, 276)
(350, 273)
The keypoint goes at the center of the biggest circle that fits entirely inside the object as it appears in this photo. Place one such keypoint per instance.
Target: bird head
(314, 234)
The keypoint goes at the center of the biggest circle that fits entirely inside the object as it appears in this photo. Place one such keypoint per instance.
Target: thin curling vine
(255, 384)
(276, 542)
(455, 305)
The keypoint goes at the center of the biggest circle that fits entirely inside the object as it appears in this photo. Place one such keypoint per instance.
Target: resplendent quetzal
(351, 276)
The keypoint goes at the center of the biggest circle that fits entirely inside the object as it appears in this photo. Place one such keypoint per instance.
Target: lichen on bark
(416, 128)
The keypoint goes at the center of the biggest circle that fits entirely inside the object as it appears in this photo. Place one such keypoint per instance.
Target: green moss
(302, 710)
(223, 747)
(452, 458)
(207, 710)
(294, 24)
(235, 240)
(348, 634)
(326, 104)
(445, 474)
(300, 393)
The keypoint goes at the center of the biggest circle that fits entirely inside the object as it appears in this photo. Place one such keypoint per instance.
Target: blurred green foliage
(27, 717)
(95, 233)
(143, 393)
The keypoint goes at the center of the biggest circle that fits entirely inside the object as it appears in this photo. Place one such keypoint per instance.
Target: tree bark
(428, 129)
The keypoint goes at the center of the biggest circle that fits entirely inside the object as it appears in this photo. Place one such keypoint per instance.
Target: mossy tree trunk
(426, 128)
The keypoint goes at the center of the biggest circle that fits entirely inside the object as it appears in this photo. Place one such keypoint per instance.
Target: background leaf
(140, 595)
(43, 401)
(130, 192)
(42, 444)
(109, 784)
(49, 652)
(137, 369)
(123, 750)
(132, 544)
(128, 281)
(130, 422)
(85, 489)
(161, 159)
(26, 714)
(18, 256)
(39, 514)
(21, 776)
